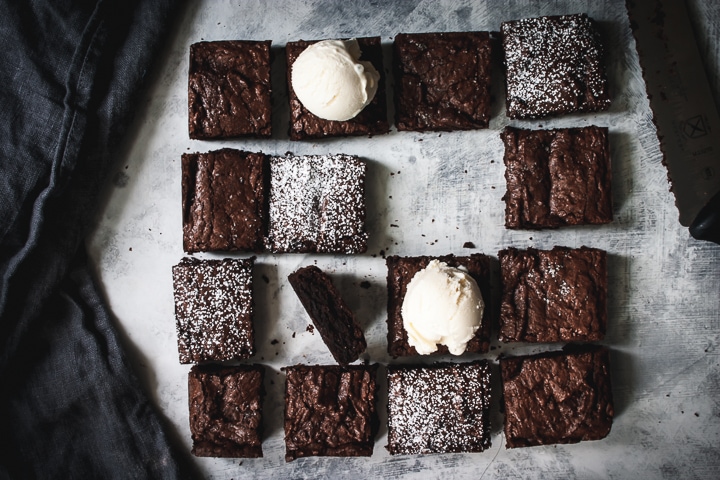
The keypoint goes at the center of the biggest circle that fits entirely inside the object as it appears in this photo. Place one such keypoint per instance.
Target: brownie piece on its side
(554, 65)
(402, 269)
(372, 120)
(224, 201)
(226, 410)
(441, 408)
(557, 295)
(317, 204)
(229, 89)
(557, 177)
(442, 81)
(214, 309)
(330, 411)
(557, 397)
(329, 313)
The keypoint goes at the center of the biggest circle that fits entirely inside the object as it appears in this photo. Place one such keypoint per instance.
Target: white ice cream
(329, 80)
(442, 305)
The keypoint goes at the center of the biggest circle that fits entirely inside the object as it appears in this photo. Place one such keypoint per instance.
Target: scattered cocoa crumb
(696, 414)
(293, 335)
(382, 253)
(468, 245)
(393, 225)
(365, 284)
(130, 250)
(311, 329)
(274, 341)
(492, 161)
(265, 278)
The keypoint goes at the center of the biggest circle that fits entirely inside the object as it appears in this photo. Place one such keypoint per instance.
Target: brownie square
(330, 411)
(224, 201)
(372, 120)
(402, 269)
(557, 397)
(229, 89)
(329, 313)
(441, 408)
(557, 295)
(317, 204)
(442, 81)
(214, 309)
(554, 65)
(557, 177)
(226, 410)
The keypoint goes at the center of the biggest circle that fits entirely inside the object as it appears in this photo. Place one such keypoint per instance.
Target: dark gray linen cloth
(70, 406)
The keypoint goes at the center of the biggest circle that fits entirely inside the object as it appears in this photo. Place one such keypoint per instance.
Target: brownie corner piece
(401, 270)
(372, 120)
(330, 411)
(442, 81)
(229, 89)
(557, 177)
(557, 295)
(214, 309)
(440, 408)
(224, 201)
(329, 313)
(557, 397)
(554, 65)
(225, 405)
(317, 204)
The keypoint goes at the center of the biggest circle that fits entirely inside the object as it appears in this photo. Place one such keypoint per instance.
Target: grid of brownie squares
(557, 397)
(330, 411)
(440, 408)
(554, 65)
(557, 177)
(229, 89)
(401, 270)
(557, 295)
(442, 81)
(372, 120)
(224, 195)
(226, 410)
(214, 309)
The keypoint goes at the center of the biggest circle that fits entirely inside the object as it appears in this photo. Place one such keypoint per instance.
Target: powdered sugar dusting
(213, 309)
(317, 203)
(553, 66)
(439, 409)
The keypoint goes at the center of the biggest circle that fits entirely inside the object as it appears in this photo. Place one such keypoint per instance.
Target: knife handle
(707, 224)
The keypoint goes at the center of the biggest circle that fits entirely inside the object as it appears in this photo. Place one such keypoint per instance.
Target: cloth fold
(70, 75)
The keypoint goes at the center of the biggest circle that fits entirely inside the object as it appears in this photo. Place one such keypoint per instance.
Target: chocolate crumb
(265, 278)
(468, 245)
(293, 335)
(274, 341)
(393, 225)
(365, 284)
(311, 329)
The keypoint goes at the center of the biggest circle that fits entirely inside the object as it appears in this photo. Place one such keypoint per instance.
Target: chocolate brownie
(402, 269)
(554, 65)
(372, 120)
(442, 81)
(557, 295)
(224, 201)
(441, 408)
(317, 204)
(229, 89)
(214, 309)
(330, 411)
(557, 397)
(557, 177)
(329, 313)
(226, 410)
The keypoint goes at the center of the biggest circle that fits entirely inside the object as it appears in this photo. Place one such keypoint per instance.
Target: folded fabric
(70, 405)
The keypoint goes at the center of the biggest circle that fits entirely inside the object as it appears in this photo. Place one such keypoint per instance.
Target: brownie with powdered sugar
(317, 204)
(554, 65)
(439, 408)
(214, 309)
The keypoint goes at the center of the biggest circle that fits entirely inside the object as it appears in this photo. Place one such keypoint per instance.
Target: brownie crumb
(265, 278)
(311, 329)
(468, 245)
(274, 341)
(365, 284)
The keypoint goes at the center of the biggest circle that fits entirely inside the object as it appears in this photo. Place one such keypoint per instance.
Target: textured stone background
(429, 194)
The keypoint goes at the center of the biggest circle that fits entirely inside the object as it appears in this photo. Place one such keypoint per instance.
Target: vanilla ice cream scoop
(443, 305)
(331, 82)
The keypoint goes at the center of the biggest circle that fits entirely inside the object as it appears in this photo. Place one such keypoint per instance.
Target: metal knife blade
(684, 112)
